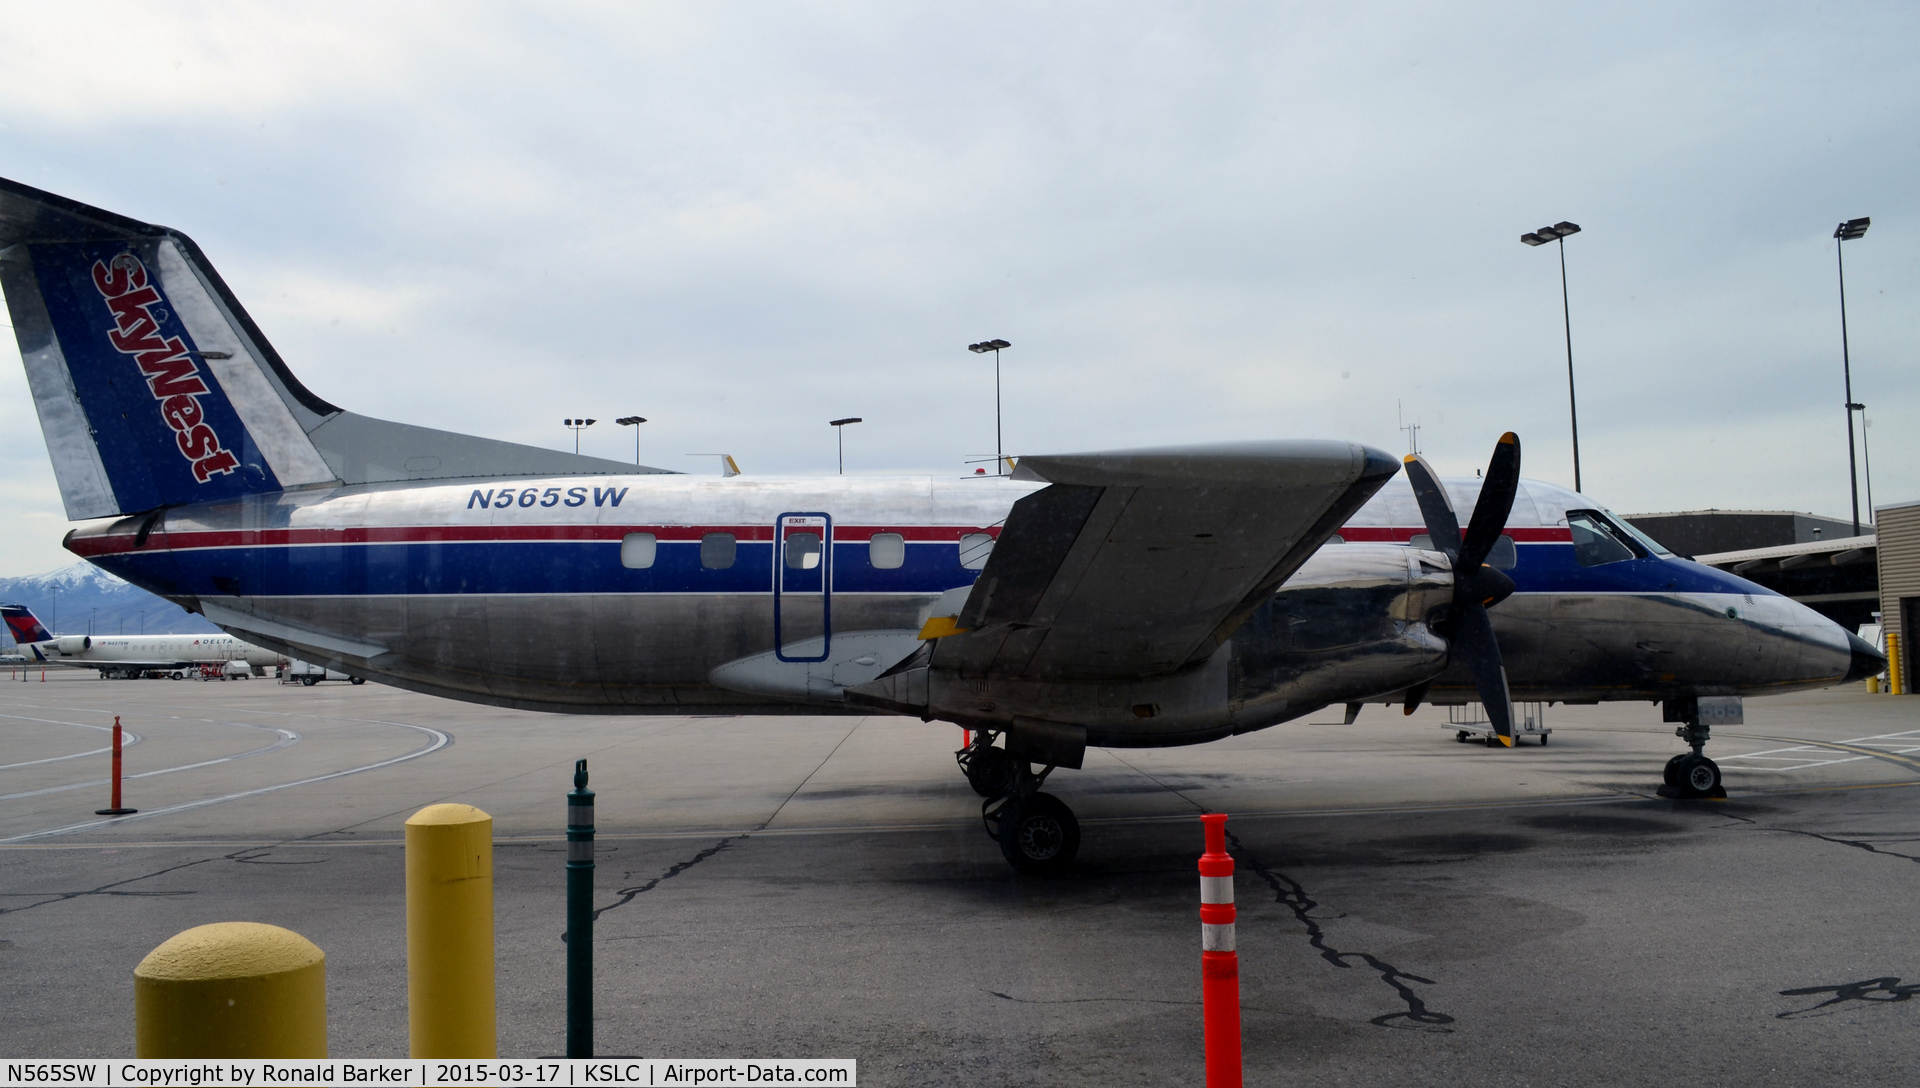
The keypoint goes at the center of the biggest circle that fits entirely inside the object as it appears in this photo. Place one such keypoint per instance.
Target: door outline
(826, 581)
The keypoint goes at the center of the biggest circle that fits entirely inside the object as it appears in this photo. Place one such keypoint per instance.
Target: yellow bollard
(231, 990)
(450, 1010)
(1896, 676)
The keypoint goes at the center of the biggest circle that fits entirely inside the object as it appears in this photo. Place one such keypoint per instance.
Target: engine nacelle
(1350, 625)
(73, 644)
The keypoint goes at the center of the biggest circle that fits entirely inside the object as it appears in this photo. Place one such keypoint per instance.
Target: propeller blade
(1496, 502)
(1443, 525)
(1414, 695)
(1473, 641)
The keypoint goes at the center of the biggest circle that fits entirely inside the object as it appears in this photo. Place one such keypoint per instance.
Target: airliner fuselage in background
(131, 656)
(1127, 598)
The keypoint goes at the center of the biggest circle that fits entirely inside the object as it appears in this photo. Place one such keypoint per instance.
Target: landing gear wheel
(1700, 776)
(1692, 777)
(1039, 835)
(991, 771)
(1671, 775)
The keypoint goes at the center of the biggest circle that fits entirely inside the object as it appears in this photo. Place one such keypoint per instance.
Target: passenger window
(974, 550)
(716, 551)
(637, 550)
(1594, 541)
(887, 551)
(1503, 555)
(803, 551)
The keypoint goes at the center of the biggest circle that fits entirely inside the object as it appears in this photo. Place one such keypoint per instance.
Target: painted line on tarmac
(965, 824)
(287, 738)
(1858, 750)
(440, 740)
(128, 738)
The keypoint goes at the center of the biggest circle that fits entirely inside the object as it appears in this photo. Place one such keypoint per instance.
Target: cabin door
(802, 586)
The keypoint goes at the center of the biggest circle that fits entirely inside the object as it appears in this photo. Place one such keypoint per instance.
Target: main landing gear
(1691, 775)
(1037, 832)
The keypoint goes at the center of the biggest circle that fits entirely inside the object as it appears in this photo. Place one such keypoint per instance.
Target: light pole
(1842, 234)
(840, 431)
(1558, 233)
(1866, 454)
(999, 448)
(634, 422)
(578, 425)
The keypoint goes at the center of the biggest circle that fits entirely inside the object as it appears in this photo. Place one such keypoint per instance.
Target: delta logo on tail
(24, 625)
(172, 375)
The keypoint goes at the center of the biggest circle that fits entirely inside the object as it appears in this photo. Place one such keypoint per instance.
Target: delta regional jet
(129, 657)
(1135, 598)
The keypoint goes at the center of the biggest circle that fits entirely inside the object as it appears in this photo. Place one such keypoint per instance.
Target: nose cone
(1867, 661)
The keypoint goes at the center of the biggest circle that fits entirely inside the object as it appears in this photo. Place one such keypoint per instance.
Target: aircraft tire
(991, 771)
(1671, 775)
(1699, 776)
(1040, 836)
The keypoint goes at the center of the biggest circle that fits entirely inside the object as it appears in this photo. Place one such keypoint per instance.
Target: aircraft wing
(1138, 562)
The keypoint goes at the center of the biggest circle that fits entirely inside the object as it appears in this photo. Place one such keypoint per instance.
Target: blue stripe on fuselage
(513, 567)
(438, 567)
(1551, 568)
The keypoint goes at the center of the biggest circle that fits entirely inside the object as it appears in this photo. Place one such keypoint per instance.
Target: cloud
(1255, 220)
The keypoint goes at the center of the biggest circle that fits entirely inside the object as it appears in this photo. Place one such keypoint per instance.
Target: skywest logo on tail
(172, 375)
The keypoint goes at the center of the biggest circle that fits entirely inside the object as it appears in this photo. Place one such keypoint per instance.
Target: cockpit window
(1597, 541)
(1646, 541)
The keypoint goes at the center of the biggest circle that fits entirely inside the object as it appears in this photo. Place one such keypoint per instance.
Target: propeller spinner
(1476, 586)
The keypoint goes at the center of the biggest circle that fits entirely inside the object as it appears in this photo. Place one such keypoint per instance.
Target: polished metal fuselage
(515, 593)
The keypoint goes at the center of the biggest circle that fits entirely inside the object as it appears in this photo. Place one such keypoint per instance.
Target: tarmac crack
(108, 889)
(1289, 893)
(1858, 844)
(1091, 1000)
(627, 895)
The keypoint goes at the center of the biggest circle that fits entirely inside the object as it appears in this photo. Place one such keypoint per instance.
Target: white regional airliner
(1136, 598)
(131, 656)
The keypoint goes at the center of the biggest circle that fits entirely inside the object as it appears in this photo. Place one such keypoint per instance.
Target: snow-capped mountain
(83, 599)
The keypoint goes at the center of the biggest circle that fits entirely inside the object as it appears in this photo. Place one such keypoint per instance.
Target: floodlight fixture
(1846, 232)
(1559, 232)
(634, 422)
(840, 431)
(999, 448)
(576, 426)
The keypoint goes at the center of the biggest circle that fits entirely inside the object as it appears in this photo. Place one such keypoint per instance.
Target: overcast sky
(1194, 222)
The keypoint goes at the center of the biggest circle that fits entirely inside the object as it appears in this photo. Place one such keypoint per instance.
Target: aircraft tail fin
(155, 388)
(25, 627)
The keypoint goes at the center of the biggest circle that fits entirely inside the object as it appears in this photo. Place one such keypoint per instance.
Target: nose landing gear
(1691, 775)
(1038, 834)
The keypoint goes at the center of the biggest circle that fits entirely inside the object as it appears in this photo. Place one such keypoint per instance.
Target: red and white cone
(1219, 962)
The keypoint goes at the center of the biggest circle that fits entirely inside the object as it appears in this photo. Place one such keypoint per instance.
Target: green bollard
(580, 916)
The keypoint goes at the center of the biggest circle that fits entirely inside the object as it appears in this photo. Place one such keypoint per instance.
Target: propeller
(1476, 586)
